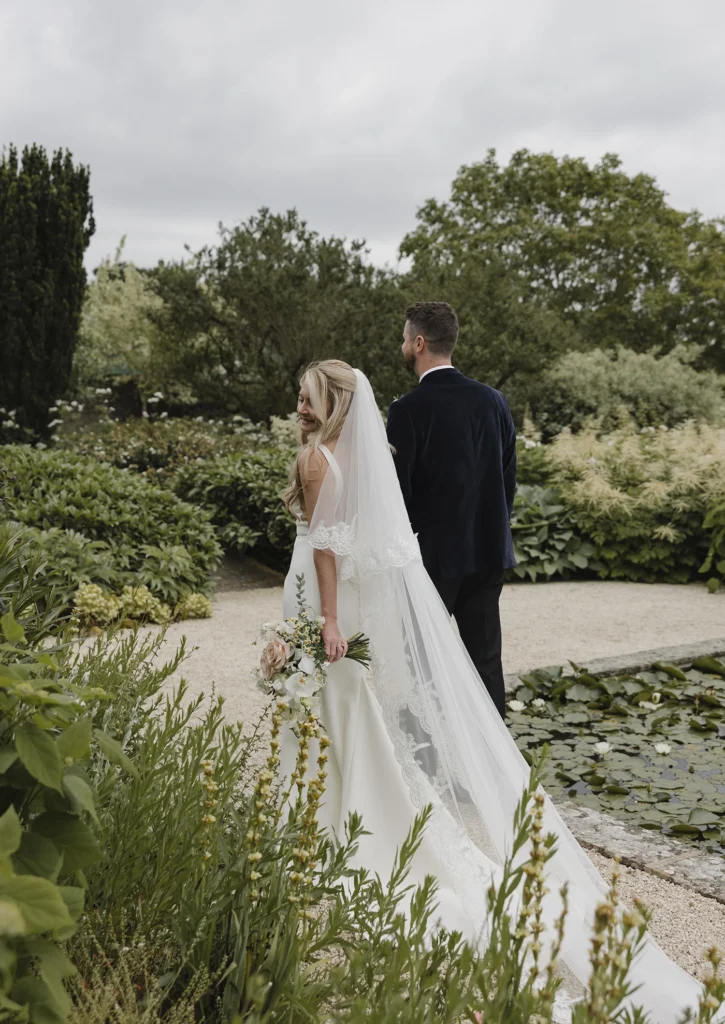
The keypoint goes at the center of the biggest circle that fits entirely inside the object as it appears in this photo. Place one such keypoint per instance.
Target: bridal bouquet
(293, 665)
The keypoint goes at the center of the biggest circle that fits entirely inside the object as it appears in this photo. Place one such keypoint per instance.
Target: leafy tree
(603, 250)
(46, 224)
(241, 319)
(507, 338)
(117, 334)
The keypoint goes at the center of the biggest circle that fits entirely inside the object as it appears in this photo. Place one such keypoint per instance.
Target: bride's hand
(334, 641)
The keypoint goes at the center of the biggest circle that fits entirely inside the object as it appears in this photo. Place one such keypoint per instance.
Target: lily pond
(648, 748)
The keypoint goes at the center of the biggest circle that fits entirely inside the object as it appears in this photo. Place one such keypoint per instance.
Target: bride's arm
(313, 468)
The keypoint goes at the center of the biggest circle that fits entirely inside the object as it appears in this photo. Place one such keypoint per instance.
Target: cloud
(191, 113)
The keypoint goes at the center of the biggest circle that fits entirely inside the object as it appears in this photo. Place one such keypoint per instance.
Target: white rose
(517, 705)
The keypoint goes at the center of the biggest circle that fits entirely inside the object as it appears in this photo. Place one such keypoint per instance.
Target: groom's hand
(334, 641)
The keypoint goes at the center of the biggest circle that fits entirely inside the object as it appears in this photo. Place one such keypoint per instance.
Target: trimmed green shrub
(160, 447)
(545, 540)
(29, 586)
(138, 534)
(242, 495)
(652, 389)
(643, 498)
(714, 564)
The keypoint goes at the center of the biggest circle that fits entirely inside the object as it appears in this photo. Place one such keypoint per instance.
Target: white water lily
(602, 747)
(648, 705)
(517, 705)
(663, 748)
(539, 702)
(656, 698)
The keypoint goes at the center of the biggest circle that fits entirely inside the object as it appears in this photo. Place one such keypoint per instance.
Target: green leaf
(72, 837)
(710, 665)
(580, 691)
(713, 585)
(40, 755)
(38, 900)
(701, 816)
(53, 966)
(11, 832)
(12, 922)
(114, 752)
(75, 742)
(12, 629)
(8, 757)
(37, 856)
(670, 670)
(74, 899)
(34, 993)
(80, 795)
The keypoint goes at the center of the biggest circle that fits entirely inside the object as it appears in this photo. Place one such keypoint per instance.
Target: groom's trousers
(473, 601)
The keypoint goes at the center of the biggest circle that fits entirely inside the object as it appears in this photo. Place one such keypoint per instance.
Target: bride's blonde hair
(331, 384)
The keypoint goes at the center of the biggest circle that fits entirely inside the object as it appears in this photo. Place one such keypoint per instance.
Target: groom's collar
(431, 374)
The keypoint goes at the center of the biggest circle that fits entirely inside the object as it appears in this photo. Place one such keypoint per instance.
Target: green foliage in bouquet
(99, 524)
(643, 498)
(645, 747)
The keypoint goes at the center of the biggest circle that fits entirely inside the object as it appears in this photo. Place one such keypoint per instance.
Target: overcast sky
(189, 113)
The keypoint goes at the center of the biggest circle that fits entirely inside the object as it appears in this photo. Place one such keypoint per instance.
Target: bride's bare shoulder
(311, 464)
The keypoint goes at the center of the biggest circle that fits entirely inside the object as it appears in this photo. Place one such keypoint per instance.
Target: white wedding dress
(419, 727)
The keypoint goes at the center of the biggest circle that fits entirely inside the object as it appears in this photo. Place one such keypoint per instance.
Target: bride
(363, 571)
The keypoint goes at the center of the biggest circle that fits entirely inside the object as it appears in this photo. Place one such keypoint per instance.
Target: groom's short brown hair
(437, 323)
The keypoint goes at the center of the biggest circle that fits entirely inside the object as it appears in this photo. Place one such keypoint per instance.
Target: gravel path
(543, 624)
(684, 923)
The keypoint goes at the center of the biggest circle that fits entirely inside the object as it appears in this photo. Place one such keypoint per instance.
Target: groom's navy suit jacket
(455, 453)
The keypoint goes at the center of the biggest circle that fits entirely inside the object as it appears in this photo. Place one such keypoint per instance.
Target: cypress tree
(46, 224)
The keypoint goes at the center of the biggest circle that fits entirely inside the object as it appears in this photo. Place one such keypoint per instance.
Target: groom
(455, 453)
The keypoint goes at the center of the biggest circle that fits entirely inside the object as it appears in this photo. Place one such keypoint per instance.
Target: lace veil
(453, 748)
